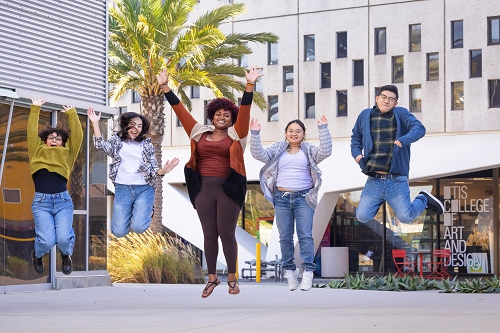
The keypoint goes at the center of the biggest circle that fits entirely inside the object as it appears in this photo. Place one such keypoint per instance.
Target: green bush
(413, 283)
(152, 258)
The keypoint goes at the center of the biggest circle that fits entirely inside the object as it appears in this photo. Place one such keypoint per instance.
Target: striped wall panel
(55, 47)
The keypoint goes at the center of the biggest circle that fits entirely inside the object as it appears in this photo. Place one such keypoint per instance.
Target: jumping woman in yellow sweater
(52, 153)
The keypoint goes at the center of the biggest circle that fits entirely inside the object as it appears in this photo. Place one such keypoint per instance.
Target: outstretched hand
(38, 101)
(170, 165)
(254, 124)
(67, 107)
(253, 74)
(93, 117)
(162, 77)
(322, 120)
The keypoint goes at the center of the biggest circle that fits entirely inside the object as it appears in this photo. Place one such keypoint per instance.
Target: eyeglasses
(56, 138)
(385, 98)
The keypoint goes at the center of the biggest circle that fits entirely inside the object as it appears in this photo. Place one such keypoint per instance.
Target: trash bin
(334, 261)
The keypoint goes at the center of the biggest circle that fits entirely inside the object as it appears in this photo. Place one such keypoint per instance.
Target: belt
(384, 176)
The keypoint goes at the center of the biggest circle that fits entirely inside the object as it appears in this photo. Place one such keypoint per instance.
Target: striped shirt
(383, 129)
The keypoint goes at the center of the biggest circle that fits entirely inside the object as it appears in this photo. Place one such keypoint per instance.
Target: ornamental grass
(152, 258)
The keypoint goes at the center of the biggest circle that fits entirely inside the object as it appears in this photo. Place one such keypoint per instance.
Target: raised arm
(32, 130)
(325, 141)
(241, 125)
(76, 137)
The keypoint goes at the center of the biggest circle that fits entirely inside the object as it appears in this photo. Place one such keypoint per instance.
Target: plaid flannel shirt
(148, 167)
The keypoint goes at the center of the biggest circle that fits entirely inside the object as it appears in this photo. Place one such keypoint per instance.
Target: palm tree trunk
(152, 108)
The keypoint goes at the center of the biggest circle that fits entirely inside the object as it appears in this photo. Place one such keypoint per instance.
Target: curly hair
(124, 122)
(63, 133)
(222, 103)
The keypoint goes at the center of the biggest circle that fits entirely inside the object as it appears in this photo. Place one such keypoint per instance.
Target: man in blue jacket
(380, 144)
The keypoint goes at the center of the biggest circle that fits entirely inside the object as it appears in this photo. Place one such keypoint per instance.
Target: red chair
(439, 262)
(404, 265)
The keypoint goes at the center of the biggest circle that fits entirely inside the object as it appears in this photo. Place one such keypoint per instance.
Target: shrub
(152, 258)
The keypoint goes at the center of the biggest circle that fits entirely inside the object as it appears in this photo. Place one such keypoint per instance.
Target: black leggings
(218, 216)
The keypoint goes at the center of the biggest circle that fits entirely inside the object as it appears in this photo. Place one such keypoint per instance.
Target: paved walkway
(265, 307)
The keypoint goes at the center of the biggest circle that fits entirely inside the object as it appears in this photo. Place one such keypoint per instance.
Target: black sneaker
(433, 204)
(37, 263)
(67, 264)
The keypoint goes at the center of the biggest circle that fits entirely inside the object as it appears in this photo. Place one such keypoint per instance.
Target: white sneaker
(307, 280)
(291, 276)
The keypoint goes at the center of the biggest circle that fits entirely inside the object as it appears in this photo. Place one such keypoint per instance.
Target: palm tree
(150, 35)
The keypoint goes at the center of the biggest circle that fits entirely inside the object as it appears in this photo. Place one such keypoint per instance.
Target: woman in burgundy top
(215, 173)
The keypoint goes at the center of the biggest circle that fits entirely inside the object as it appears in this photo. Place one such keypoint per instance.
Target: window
(243, 61)
(326, 75)
(416, 98)
(259, 85)
(341, 103)
(494, 30)
(272, 110)
(494, 93)
(136, 97)
(380, 41)
(122, 109)
(476, 63)
(205, 104)
(457, 34)
(358, 72)
(342, 44)
(457, 89)
(432, 66)
(195, 91)
(310, 105)
(287, 78)
(177, 122)
(415, 38)
(272, 54)
(309, 48)
(377, 92)
(398, 69)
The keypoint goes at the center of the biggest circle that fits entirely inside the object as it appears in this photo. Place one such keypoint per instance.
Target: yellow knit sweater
(54, 159)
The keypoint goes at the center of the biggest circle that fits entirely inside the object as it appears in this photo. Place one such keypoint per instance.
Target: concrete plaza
(267, 306)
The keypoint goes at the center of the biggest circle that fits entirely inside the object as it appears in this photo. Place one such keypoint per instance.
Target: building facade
(58, 50)
(331, 59)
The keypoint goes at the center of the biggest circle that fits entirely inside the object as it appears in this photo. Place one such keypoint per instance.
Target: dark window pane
(476, 63)
(122, 109)
(457, 34)
(272, 102)
(287, 78)
(398, 72)
(380, 41)
(309, 48)
(326, 75)
(272, 54)
(341, 44)
(195, 91)
(342, 103)
(205, 104)
(243, 61)
(458, 95)
(136, 97)
(493, 30)
(358, 72)
(310, 105)
(416, 98)
(415, 38)
(432, 66)
(494, 93)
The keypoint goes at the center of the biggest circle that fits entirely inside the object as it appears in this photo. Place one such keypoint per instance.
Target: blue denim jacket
(410, 129)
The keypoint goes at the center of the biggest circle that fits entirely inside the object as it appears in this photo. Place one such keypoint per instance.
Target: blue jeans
(132, 209)
(292, 209)
(53, 214)
(396, 191)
